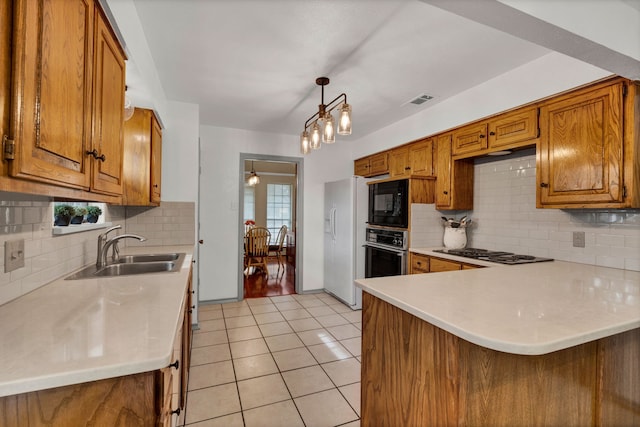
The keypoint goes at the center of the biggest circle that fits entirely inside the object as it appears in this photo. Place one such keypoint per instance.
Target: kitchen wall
(505, 218)
(49, 257)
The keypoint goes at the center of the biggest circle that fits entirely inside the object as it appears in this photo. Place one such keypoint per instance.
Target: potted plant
(62, 214)
(79, 215)
(93, 212)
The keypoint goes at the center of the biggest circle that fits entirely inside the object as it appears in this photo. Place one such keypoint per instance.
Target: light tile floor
(289, 360)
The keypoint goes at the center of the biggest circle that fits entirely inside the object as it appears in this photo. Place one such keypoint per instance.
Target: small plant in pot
(79, 215)
(93, 212)
(63, 214)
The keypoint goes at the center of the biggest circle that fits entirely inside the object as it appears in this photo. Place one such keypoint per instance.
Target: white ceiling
(252, 64)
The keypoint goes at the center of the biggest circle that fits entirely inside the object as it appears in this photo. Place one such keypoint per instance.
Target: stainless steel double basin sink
(128, 265)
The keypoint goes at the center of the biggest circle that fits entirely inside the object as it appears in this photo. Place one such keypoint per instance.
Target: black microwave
(388, 203)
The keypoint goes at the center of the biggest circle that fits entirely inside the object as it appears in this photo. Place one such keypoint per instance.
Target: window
(249, 203)
(278, 207)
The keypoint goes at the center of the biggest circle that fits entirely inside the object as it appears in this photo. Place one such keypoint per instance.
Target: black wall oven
(385, 253)
(388, 203)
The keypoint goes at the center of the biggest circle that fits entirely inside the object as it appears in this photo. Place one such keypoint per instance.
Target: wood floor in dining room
(279, 281)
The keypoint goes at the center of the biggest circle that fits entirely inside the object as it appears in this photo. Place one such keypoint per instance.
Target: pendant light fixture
(321, 127)
(253, 179)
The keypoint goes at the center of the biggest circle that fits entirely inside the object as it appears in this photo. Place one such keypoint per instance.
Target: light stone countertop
(525, 309)
(74, 331)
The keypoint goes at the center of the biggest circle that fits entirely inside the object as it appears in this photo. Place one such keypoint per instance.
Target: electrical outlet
(13, 255)
(578, 239)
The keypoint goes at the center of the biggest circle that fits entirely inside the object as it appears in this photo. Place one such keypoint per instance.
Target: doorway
(273, 203)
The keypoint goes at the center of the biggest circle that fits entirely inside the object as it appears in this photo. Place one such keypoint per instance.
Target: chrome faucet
(102, 238)
(104, 244)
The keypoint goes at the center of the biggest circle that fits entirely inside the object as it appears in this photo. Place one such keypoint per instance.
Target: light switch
(13, 255)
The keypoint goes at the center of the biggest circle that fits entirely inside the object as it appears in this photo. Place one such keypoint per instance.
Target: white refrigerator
(345, 217)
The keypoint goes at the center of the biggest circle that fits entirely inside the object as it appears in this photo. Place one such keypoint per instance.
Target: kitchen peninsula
(554, 343)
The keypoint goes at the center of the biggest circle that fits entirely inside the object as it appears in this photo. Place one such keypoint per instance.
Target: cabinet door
(156, 160)
(580, 154)
(5, 72)
(419, 263)
(51, 111)
(454, 183)
(421, 158)
(399, 162)
(438, 264)
(361, 167)
(513, 128)
(137, 158)
(470, 139)
(443, 181)
(108, 111)
(378, 164)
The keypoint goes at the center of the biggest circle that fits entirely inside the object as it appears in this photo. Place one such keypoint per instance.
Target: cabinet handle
(176, 364)
(481, 136)
(544, 185)
(407, 168)
(176, 412)
(419, 263)
(94, 153)
(155, 185)
(445, 192)
(201, 241)
(492, 133)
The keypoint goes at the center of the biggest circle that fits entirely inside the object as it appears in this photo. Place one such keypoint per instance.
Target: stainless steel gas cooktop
(493, 256)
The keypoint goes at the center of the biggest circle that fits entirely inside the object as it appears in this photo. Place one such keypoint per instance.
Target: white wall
(545, 76)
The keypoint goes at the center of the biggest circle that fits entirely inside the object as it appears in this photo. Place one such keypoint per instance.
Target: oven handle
(399, 251)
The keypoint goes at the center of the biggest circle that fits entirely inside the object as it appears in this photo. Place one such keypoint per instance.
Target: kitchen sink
(128, 265)
(127, 259)
(135, 268)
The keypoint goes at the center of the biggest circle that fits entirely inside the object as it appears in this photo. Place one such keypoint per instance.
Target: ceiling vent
(421, 99)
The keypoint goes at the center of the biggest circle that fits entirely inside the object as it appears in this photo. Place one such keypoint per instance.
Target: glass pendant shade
(329, 133)
(253, 179)
(315, 136)
(305, 148)
(129, 109)
(344, 121)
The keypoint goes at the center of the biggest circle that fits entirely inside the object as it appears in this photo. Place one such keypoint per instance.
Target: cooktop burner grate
(493, 256)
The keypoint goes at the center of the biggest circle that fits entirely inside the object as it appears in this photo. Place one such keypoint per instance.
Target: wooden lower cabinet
(147, 399)
(429, 264)
(128, 401)
(415, 374)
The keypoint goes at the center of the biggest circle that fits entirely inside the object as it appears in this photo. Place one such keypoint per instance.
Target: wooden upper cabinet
(108, 110)
(156, 161)
(511, 129)
(399, 165)
(5, 71)
(505, 131)
(421, 157)
(454, 184)
(470, 139)
(373, 165)
(53, 74)
(67, 99)
(415, 159)
(580, 158)
(142, 159)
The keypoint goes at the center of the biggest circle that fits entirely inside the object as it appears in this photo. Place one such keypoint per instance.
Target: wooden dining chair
(277, 248)
(257, 240)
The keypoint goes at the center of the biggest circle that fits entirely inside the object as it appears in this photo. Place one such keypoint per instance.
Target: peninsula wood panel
(619, 379)
(416, 374)
(400, 386)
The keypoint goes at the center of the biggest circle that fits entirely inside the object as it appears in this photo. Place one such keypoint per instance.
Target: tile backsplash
(505, 218)
(49, 257)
